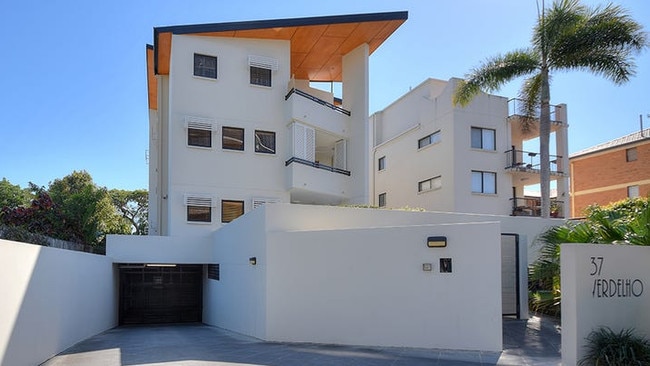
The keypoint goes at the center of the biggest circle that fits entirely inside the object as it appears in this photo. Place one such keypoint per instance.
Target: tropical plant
(567, 36)
(625, 348)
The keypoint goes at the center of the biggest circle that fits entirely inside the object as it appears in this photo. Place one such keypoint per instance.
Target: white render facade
(234, 122)
(430, 154)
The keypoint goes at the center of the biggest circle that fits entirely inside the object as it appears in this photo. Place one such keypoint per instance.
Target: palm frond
(530, 95)
(494, 73)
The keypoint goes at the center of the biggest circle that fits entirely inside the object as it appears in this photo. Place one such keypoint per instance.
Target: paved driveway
(533, 342)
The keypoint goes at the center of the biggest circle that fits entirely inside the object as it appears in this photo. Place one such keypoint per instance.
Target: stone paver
(534, 342)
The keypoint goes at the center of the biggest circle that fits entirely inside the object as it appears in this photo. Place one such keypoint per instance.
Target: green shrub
(606, 347)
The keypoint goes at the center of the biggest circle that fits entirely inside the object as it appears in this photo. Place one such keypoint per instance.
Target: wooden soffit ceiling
(317, 44)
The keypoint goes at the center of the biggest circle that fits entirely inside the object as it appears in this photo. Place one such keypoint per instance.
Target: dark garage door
(160, 294)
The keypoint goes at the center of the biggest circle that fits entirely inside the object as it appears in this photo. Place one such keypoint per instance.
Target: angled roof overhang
(317, 44)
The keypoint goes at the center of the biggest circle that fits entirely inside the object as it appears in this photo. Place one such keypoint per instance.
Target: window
(632, 191)
(205, 66)
(430, 184)
(260, 76)
(630, 154)
(265, 142)
(231, 210)
(382, 200)
(381, 163)
(199, 214)
(232, 138)
(213, 271)
(199, 208)
(429, 139)
(199, 137)
(484, 182)
(483, 138)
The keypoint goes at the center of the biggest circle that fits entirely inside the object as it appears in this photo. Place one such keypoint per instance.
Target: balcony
(531, 206)
(317, 112)
(315, 183)
(529, 162)
(526, 127)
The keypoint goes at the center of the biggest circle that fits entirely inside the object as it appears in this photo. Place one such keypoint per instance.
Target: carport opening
(160, 293)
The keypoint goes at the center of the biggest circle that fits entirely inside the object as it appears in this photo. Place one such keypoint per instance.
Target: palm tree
(567, 36)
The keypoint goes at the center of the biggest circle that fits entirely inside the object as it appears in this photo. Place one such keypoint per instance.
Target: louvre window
(231, 210)
(265, 142)
(199, 208)
(205, 66)
(484, 182)
(213, 271)
(429, 139)
(483, 138)
(232, 138)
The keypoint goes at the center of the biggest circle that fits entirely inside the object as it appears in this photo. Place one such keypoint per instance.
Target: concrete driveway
(533, 342)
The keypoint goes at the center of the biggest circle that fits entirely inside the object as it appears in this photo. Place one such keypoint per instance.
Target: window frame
(381, 163)
(631, 154)
(431, 181)
(224, 136)
(482, 144)
(428, 140)
(203, 74)
(239, 202)
(274, 142)
(256, 77)
(381, 199)
(483, 185)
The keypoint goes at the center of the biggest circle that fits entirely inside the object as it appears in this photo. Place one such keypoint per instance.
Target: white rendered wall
(230, 101)
(238, 300)
(426, 110)
(159, 249)
(51, 299)
(368, 287)
(596, 292)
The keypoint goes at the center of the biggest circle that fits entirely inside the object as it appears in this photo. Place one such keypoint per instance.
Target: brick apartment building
(610, 172)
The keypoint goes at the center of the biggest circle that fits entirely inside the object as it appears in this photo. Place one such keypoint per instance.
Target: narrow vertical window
(630, 154)
(381, 163)
(382, 200)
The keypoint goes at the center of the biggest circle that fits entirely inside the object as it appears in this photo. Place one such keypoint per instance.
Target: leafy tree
(12, 195)
(86, 208)
(567, 36)
(133, 206)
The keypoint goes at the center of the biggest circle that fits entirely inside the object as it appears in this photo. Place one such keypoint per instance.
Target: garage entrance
(160, 293)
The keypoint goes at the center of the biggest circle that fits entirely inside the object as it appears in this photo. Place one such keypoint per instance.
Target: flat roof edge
(277, 23)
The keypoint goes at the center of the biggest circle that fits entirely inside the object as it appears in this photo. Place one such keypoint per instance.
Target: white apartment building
(234, 122)
(431, 154)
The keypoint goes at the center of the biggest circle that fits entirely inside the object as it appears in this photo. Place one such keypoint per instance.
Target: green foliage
(133, 206)
(624, 222)
(12, 195)
(625, 348)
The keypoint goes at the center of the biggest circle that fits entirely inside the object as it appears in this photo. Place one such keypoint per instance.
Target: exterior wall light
(252, 261)
(437, 241)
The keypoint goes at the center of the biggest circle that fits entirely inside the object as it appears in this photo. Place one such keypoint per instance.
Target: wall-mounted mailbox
(437, 241)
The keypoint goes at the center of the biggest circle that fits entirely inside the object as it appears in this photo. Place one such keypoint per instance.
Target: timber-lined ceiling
(317, 44)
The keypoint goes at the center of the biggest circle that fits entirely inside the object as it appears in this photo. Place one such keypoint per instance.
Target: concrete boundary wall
(51, 299)
(602, 285)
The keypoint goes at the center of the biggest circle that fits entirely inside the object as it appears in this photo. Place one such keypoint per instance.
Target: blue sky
(73, 89)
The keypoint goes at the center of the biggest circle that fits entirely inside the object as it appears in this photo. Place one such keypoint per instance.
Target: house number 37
(597, 265)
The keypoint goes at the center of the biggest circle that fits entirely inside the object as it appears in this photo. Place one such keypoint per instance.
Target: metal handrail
(317, 165)
(531, 206)
(515, 159)
(515, 103)
(317, 100)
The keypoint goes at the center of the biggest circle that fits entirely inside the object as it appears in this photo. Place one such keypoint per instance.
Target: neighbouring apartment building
(235, 123)
(431, 154)
(610, 172)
